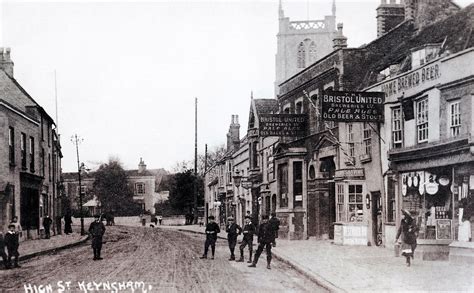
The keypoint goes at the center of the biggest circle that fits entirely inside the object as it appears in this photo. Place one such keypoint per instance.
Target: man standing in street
(266, 236)
(249, 231)
(212, 229)
(97, 230)
(12, 243)
(275, 223)
(233, 230)
(47, 226)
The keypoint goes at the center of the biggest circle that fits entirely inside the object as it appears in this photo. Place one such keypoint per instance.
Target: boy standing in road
(266, 236)
(212, 229)
(97, 230)
(47, 226)
(249, 231)
(275, 223)
(12, 243)
(233, 230)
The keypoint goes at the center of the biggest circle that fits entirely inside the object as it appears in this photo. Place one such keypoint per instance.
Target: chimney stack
(141, 166)
(339, 41)
(233, 136)
(6, 64)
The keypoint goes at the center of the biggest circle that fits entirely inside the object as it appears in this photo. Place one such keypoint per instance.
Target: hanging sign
(292, 125)
(353, 106)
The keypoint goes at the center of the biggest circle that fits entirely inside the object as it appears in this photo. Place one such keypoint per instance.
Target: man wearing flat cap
(97, 230)
(212, 229)
(233, 230)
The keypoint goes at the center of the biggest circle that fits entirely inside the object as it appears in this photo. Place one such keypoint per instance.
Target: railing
(305, 25)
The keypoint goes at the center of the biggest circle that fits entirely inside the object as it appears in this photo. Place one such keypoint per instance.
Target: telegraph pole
(77, 141)
(195, 162)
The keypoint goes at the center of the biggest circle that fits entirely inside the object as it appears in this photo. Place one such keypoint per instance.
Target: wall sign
(443, 229)
(355, 173)
(291, 125)
(353, 106)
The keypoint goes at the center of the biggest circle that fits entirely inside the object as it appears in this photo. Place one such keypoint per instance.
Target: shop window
(422, 120)
(297, 184)
(355, 203)
(367, 139)
(32, 154)
(340, 211)
(283, 184)
(391, 207)
(140, 188)
(301, 56)
(23, 150)
(397, 134)
(455, 118)
(11, 146)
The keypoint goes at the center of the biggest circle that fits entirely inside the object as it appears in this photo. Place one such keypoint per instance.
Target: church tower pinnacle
(281, 14)
(333, 7)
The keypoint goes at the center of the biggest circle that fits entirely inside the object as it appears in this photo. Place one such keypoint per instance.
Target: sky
(128, 72)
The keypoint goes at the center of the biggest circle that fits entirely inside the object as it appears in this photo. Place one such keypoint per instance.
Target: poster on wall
(443, 229)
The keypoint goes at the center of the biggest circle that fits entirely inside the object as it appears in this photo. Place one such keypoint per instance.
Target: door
(376, 210)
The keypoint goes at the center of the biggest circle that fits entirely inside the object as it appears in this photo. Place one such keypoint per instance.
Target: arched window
(312, 53)
(301, 56)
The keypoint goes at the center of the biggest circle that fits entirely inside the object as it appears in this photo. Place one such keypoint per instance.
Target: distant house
(144, 184)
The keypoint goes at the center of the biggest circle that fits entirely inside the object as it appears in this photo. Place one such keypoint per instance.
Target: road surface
(152, 260)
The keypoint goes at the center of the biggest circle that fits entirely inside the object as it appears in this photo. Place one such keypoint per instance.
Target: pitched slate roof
(266, 106)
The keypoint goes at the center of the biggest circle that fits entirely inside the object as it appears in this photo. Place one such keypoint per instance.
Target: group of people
(266, 234)
(10, 241)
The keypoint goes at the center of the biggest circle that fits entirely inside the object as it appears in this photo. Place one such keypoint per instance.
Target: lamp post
(76, 140)
(239, 182)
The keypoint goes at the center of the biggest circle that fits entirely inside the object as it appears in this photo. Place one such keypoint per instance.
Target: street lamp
(76, 140)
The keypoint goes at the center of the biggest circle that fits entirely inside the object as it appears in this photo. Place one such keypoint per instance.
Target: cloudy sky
(128, 72)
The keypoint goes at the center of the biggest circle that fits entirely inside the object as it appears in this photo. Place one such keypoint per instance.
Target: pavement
(365, 268)
(32, 248)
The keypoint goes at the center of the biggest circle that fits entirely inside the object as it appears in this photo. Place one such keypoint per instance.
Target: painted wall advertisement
(345, 106)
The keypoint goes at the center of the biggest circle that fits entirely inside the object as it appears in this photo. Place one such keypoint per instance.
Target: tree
(213, 157)
(181, 187)
(112, 190)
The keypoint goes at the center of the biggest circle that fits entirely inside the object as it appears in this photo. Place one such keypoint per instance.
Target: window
(350, 139)
(355, 203)
(49, 167)
(32, 154)
(422, 120)
(397, 134)
(42, 129)
(312, 52)
(297, 184)
(283, 184)
(43, 165)
(340, 211)
(299, 107)
(454, 118)
(140, 188)
(391, 208)
(367, 139)
(11, 146)
(23, 150)
(49, 134)
(301, 56)
(83, 189)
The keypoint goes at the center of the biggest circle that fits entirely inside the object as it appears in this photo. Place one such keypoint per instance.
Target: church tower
(301, 43)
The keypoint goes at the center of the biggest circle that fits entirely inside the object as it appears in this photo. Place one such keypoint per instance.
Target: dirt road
(153, 260)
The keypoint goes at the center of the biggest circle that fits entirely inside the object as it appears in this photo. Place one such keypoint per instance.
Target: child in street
(12, 244)
(233, 230)
(249, 231)
(212, 229)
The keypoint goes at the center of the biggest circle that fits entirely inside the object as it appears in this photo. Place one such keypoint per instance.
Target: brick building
(30, 157)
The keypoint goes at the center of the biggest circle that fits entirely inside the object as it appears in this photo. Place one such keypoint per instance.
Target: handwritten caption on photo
(86, 287)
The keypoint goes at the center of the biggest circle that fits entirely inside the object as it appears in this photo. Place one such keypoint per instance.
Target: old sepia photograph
(236, 146)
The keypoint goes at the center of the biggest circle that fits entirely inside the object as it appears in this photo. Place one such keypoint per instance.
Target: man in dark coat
(266, 236)
(67, 224)
(212, 229)
(12, 242)
(2, 251)
(97, 230)
(47, 226)
(233, 230)
(275, 223)
(248, 231)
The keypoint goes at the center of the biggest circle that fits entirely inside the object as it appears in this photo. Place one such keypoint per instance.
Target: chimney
(141, 166)
(233, 136)
(339, 41)
(6, 64)
(389, 16)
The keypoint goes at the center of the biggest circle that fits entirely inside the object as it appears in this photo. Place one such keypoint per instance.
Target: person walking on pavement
(47, 226)
(17, 225)
(212, 229)
(12, 243)
(275, 223)
(233, 230)
(97, 230)
(408, 230)
(266, 236)
(2, 251)
(248, 231)
(67, 223)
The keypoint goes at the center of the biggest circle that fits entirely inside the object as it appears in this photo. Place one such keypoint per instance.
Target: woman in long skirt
(408, 230)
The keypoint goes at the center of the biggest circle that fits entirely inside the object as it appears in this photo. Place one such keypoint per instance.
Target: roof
(455, 33)
(266, 106)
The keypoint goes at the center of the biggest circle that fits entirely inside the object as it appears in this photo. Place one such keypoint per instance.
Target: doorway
(376, 218)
